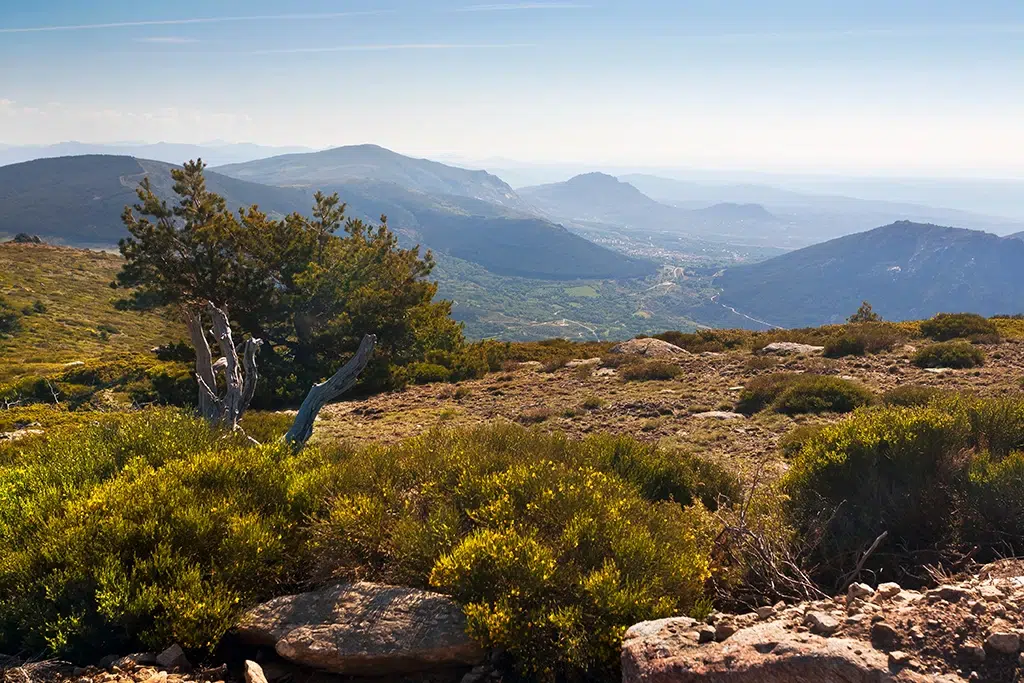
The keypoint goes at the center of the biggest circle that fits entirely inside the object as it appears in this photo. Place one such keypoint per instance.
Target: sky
(930, 87)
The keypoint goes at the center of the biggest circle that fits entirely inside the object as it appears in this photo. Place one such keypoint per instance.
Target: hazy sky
(895, 86)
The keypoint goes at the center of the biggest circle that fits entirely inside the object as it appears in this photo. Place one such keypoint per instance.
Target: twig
(852, 576)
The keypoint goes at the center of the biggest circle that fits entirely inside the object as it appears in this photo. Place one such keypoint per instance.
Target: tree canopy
(309, 286)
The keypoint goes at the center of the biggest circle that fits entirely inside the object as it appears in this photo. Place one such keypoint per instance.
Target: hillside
(906, 270)
(79, 200)
(79, 320)
(371, 162)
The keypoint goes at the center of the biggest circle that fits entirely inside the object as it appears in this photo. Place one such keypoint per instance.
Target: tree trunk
(241, 386)
(320, 394)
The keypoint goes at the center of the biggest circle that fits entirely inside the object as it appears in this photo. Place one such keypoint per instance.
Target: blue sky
(897, 86)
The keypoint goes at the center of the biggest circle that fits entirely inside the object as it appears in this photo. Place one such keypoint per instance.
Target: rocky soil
(969, 630)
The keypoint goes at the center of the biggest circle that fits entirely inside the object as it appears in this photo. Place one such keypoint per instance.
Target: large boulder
(649, 347)
(670, 651)
(364, 629)
(790, 349)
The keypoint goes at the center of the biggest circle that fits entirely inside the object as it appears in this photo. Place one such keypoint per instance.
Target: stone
(821, 624)
(720, 415)
(764, 653)
(137, 659)
(949, 593)
(859, 591)
(883, 634)
(1003, 642)
(725, 629)
(973, 651)
(886, 591)
(898, 658)
(173, 658)
(789, 349)
(990, 593)
(705, 634)
(765, 612)
(649, 347)
(364, 629)
(254, 672)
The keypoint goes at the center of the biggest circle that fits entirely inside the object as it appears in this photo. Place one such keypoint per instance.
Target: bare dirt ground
(669, 411)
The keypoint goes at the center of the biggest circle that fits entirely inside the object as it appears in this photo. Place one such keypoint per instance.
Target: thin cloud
(513, 6)
(389, 46)
(166, 40)
(198, 20)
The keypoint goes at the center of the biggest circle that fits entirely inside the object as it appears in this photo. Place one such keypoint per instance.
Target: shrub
(428, 373)
(793, 441)
(845, 345)
(592, 402)
(939, 479)
(954, 354)
(10, 321)
(862, 338)
(946, 326)
(793, 394)
(911, 395)
(537, 415)
(650, 370)
(144, 529)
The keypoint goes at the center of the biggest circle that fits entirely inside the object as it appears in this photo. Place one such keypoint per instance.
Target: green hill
(906, 270)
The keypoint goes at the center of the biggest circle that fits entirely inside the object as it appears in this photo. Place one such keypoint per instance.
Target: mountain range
(906, 270)
(213, 153)
(643, 252)
(78, 200)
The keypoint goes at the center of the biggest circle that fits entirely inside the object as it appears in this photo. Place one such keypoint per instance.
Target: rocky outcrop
(364, 629)
(790, 349)
(648, 347)
(967, 631)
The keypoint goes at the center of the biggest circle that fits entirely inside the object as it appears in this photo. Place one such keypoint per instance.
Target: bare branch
(318, 396)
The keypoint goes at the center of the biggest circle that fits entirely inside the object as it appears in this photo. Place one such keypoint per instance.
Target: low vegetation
(797, 393)
(909, 395)
(937, 479)
(946, 326)
(127, 531)
(649, 370)
(954, 354)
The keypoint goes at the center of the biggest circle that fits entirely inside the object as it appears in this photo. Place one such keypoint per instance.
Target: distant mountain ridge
(372, 162)
(214, 153)
(906, 270)
(79, 200)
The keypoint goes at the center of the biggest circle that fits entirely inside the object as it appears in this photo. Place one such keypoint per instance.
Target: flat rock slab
(790, 349)
(648, 347)
(669, 651)
(364, 629)
(720, 415)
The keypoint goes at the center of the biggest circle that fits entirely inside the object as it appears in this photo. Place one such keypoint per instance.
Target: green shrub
(650, 370)
(822, 394)
(946, 326)
(954, 354)
(858, 339)
(939, 479)
(10, 320)
(845, 345)
(911, 395)
(793, 441)
(143, 529)
(428, 373)
(592, 402)
(795, 393)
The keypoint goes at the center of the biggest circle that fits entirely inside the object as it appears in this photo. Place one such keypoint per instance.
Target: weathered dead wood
(321, 394)
(227, 410)
(240, 379)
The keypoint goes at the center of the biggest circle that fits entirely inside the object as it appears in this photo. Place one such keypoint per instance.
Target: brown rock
(364, 629)
(254, 672)
(884, 635)
(649, 347)
(821, 624)
(174, 659)
(764, 653)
